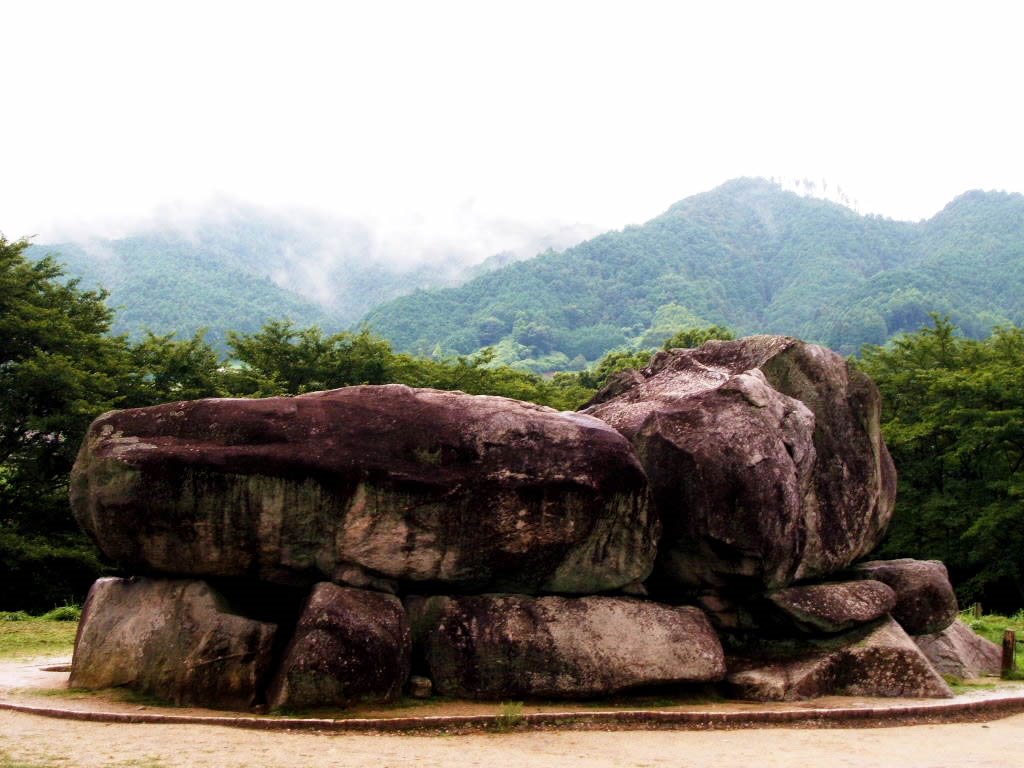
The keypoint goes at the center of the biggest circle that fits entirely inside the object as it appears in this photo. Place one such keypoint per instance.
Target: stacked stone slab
(354, 496)
(770, 476)
(698, 523)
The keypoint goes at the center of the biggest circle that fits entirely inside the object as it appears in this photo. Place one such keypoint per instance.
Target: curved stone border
(860, 717)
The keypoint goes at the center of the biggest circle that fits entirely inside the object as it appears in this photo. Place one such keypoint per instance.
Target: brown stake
(1009, 651)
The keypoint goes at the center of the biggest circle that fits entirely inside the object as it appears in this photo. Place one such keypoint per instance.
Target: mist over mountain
(233, 266)
(748, 255)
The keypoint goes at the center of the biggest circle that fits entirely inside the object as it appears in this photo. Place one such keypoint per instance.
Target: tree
(168, 369)
(687, 338)
(953, 418)
(58, 371)
(281, 359)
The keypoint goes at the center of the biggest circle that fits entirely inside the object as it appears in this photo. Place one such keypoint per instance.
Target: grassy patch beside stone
(991, 626)
(24, 636)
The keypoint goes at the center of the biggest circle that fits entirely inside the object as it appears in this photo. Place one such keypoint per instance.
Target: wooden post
(976, 610)
(1009, 652)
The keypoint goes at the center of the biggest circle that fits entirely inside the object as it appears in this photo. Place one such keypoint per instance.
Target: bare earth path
(47, 742)
(31, 741)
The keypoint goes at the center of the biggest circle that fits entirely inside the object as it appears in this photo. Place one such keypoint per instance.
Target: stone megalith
(494, 646)
(765, 460)
(876, 660)
(925, 600)
(175, 639)
(834, 607)
(959, 652)
(350, 646)
(368, 485)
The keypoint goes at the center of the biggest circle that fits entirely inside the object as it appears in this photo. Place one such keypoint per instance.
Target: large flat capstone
(369, 485)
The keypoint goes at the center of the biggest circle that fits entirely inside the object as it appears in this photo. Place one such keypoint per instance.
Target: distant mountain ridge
(746, 255)
(238, 267)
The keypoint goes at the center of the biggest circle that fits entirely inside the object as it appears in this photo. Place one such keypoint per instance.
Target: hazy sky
(425, 117)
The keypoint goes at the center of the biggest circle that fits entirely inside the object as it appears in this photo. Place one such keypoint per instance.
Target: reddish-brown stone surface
(368, 485)
(765, 459)
(176, 639)
(925, 601)
(880, 660)
(836, 606)
(350, 646)
(495, 646)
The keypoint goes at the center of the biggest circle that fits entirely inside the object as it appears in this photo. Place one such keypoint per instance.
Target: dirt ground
(30, 741)
(46, 742)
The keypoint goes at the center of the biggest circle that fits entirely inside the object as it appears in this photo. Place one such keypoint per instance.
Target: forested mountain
(746, 255)
(161, 284)
(238, 266)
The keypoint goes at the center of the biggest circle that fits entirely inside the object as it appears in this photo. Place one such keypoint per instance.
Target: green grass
(53, 633)
(992, 625)
(510, 714)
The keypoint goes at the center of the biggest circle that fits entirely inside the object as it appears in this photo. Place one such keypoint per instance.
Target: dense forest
(746, 255)
(953, 418)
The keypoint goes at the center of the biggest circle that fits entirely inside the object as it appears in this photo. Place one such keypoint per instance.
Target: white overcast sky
(424, 114)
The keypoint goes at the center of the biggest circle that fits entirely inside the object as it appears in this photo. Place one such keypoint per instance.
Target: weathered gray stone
(834, 607)
(370, 486)
(876, 661)
(173, 639)
(500, 646)
(960, 652)
(765, 459)
(350, 646)
(925, 601)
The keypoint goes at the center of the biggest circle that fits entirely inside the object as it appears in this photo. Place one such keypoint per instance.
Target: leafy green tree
(953, 411)
(687, 338)
(281, 359)
(168, 369)
(58, 370)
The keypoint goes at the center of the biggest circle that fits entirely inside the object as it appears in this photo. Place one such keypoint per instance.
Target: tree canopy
(954, 422)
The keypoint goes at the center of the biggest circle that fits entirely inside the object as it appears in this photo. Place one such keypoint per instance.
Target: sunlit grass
(991, 626)
(24, 636)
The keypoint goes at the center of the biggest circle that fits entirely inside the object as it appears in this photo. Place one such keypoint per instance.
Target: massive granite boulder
(878, 660)
(350, 646)
(368, 485)
(174, 639)
(765, 459)
(493, 646)
(958, 652)
(834, 607)
(925, 601)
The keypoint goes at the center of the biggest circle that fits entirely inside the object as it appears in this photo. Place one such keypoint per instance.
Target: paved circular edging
(861, 717)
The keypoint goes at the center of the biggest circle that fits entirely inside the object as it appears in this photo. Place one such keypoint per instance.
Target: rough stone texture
(350, 646)
(765, 459)
(369, 485)
(173, 639)
(503, 646)
(925, 601)
(959, 652)
(834, 607)
(877, 661)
